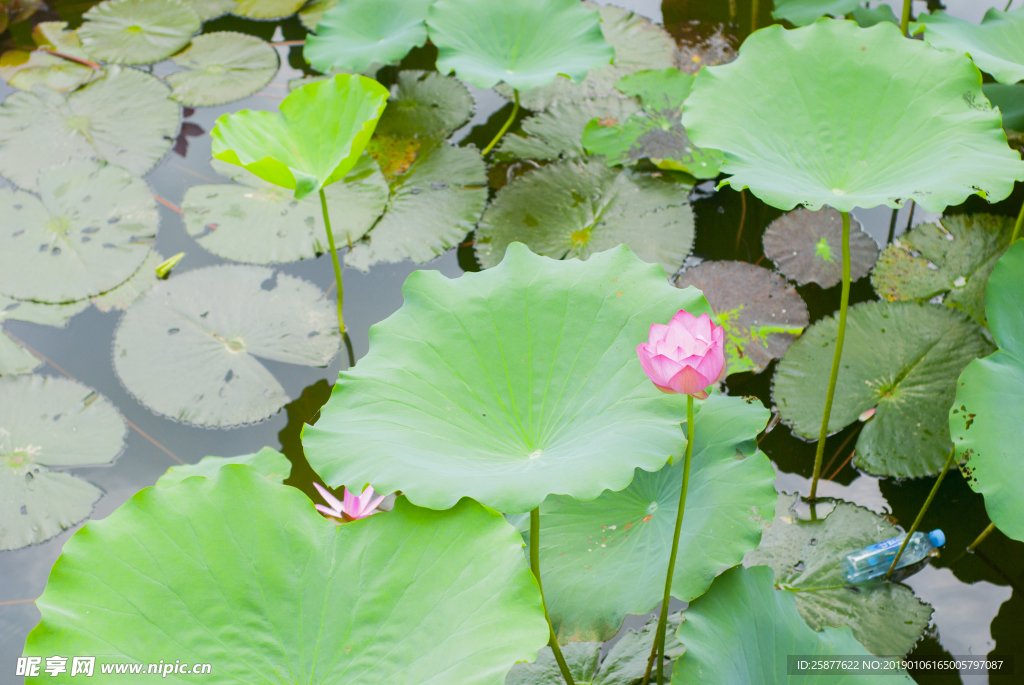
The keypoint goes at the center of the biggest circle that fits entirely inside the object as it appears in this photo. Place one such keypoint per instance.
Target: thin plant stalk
(754, 7)
(515, 111)
(905, 22)
(981, 538)
(337, 278)
(820, 451)
(535, 567)
(658, 649)
(1017, 226)
(1007, 8)
(920, 514)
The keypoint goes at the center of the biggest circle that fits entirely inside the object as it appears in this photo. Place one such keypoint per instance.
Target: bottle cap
(937, 537)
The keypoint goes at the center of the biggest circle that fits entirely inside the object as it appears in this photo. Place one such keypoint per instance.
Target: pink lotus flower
(686, 356)
(353, 508)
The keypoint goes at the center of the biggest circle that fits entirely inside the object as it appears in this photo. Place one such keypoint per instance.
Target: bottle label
(884, 545)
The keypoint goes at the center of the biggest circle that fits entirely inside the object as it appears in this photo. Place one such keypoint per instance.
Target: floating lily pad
(312, 12)
(15, 359)
(807, 246)
(187, 348)
(124, 295)
(24, 69)
(760, 311)
(125, 118)
(457, 397)
(525, 44)
(355, 35)
(222, 67)
(425, 103)
(996, 45)
(743, 629)
(253, 563)
(137, 31)
(210, 9)
(881, 96)
(953, 258)
(575, 208)
(605, 558)
(267, 9)
(88, 232)
(42, 314)
(558, 131)
(866, 17)
(804, 12)
(1010, 101)
(434, 203)
(987, 416)
(900, 358)
(268, 462)
(657, 133)
(885, 617)
(261, 223)
(50, 422)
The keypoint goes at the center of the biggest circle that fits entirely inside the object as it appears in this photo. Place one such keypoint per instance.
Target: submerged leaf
(137, 31)
(558, 131)
(804, 12)
(268, 463)
(357, 35)
(425, 104)
(996, 45)
(807, 246)
(222, 67)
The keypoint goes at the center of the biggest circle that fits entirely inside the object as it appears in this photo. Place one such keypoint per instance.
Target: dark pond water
(978, 600)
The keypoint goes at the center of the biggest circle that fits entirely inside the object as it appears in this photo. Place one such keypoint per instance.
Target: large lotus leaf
(525, 44)
(411, 596)
(89, 231)
(885, 617)
(267, 9)
(425, 103)
(987, 418)
(125, 118)
(15, 359)
(850, 117)
(187, 348)
(953, 258)
(575, 208)
(358, 34)
(268, 462)
(1010, 101)
(557, 132)
(210, 9)
(137, 31)
(314, 141)
(996, 45)
(761, 312)
(807, 246)
(743, 629)
(605, 558)
(900, 358)
(47, 421)
(222, 67)
(257, 222)
(804, 12)
(507, 385)
(434, 203)
(24, 69)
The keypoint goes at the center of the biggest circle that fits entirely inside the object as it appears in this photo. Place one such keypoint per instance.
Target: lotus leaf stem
(1007, 8)
(905, 22)
(920, 514)
(981, 538)
(72, 58)
(658, 648)
(515, 111)
(535, 567)
(754, 7)
(1017, 226)
(820, 451)
(334, 258)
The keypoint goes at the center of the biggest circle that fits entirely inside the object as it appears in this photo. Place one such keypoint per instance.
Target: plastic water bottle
(874, 561)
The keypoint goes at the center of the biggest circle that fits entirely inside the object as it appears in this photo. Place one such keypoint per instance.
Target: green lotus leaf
(605, 558)
(761, 312)
(210, 9)
(608, 207)
(44, 422)
(137, 31)
(266, 9)
(900, 358)
(657, 134)
(314, 141)
(525, 44)
(743, 629)
(905, 121)
(288, 593)
(268, 463)
(987, 416)
(435, 201)
(125, 118)
(125, 294)
(457, 397)
(867, 17)
(1010, 101)
(357, 34)
(222, 67)
(260, 223)
(24, 69)
(952, 258)
(88, 231)
(885, 617)
(996, 45)
(312, 12)
(804, 12)
(187, 348)
(15, 359)
(425, 104)
(807, 246)
(557, 132)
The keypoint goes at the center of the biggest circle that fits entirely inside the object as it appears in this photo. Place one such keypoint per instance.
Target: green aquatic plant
(268, 462)
(804, 12)
(358, 35)
(137, 31)
(222, 67)
(996, 45)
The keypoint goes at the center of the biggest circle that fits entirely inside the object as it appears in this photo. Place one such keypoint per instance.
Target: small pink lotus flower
(353, 508)
(686, 356)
